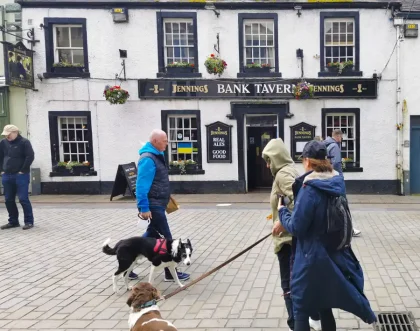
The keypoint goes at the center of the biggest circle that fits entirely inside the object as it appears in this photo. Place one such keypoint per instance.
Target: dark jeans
(327, 322)
(284, 256)
(17, 184)
(158, 223)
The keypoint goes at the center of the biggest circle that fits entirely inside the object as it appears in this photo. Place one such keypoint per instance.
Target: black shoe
(27, 226)
(9, 226)
(133, 276)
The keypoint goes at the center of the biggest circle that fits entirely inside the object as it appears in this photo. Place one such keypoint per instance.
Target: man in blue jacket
(153, 191)
(334, 153)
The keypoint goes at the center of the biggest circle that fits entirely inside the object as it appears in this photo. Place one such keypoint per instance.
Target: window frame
(54, 137)
(49, 24)
(176, 141)
(160, 18)
(56, 48)
(255, 17)
(356, 55)
(165, 114)
(345, 111)
(60, 141)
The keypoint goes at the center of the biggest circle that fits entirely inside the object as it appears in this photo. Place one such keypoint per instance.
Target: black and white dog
(161, 253)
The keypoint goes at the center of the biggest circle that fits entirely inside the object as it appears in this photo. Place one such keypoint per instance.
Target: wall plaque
(300, 134)
(219, 143)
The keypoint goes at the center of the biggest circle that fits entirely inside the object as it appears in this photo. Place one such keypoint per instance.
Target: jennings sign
(219, 144)
(208, 89)
(18, 64)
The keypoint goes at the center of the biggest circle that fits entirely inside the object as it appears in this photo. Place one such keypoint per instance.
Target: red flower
(212, 55)
(215, 69)
(192, 65)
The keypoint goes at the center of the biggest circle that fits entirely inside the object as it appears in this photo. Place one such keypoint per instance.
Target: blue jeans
(17, 184)
(158, 223)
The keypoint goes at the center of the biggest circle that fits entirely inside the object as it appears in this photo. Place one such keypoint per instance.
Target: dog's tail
(106, 249)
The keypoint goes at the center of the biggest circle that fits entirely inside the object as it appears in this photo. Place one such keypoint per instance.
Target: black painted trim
(409, 15)
(53, 125)
(353, 73)
(258, 16)
(58, 174)
(353, 14)
(160, 17)
(49, 22)
(356, 111)
(164, 123)
(354, 169)
(238, 112)
(109, 4)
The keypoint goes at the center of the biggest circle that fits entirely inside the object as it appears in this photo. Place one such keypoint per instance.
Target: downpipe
(399, 164)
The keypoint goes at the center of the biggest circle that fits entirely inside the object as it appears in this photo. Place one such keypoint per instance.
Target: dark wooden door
(258, 174)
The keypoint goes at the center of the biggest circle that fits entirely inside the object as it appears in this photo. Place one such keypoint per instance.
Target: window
(258, 44)
(70, 136)
(73, 139)
(348, 121)
(177, 41)
(340, 42)
(183, 139)
(66, 42)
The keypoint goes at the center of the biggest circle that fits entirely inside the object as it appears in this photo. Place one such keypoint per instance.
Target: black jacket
(16, 156)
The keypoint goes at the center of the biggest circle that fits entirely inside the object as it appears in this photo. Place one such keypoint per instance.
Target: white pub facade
(221, 122)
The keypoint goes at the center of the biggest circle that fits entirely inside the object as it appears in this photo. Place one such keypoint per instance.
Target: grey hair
(155, 134)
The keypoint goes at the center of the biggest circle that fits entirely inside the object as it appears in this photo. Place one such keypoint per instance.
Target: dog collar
(148, 304)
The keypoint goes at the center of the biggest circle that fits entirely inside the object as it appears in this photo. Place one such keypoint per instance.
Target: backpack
(339, 224)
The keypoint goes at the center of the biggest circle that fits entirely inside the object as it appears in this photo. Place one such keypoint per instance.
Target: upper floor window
(258, 45)
(66, 47)
(177, 43)
(340, 44)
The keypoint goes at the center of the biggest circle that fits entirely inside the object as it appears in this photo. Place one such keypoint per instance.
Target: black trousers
(284, 257)
(327, 322)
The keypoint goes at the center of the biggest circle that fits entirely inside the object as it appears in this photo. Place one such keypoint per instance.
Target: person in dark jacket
(153, 191)
(321, 279)
(16, 157)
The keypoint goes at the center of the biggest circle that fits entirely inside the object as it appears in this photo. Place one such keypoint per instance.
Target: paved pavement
(55, 277)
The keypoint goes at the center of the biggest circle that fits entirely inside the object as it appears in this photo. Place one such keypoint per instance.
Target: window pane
(248, 40)
(78, 56)
(183, 28)
(270, 40)
(191, 40)
(172, 135)
(263, 29)
(175, 27)
(77, 37)
(186, 122)
(329, 121)
(247, 29)
(179, 123)
(335, 27)
(172, 123)
(63, 38)
(255, 28)
(194, 122)
(190, 28)
(350, 27)
(168, 27)
(168, 38)
(183, 39)
(343, 27)
(64, 56)
(328, 27)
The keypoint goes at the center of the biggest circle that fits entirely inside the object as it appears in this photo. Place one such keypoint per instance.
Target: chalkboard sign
(300, 134)
(219, 143)
(126, 177)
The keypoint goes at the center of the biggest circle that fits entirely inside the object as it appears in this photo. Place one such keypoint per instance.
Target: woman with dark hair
(322, 278)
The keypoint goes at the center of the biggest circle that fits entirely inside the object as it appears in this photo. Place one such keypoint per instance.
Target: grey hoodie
(334, 152)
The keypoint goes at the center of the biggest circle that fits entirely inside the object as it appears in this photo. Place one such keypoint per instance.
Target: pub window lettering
(339, 40)
(183, 138)
(259, 42)
(73, 139)
(179, 41)
(347, 124)
(68, 44)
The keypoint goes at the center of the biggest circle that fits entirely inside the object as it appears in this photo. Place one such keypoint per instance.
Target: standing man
(16, 157)
(153, 192)
(334, 153)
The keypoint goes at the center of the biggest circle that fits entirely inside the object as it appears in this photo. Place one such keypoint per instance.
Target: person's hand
(2, 172)
(280, 205)
(146, 216)
(277, 228)
(20, 173)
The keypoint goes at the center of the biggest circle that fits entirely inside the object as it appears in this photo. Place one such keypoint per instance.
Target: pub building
(169, 56)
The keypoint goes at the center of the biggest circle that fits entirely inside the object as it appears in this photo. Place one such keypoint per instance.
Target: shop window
(258, 45)
(340, 44)
(70, 137)
(66, 47)
(184, 138)
(348, 121)
(177, 42)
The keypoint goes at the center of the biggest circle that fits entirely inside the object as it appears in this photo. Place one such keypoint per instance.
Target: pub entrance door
(260, 130)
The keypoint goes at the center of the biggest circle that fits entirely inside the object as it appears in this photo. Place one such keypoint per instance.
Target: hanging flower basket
(303, 90)
(116, 95)
(215, 65)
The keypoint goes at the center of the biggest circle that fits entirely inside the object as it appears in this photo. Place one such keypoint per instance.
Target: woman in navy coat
(321, 279)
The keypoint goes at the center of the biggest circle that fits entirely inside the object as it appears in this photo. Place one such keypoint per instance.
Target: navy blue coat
(321, 279)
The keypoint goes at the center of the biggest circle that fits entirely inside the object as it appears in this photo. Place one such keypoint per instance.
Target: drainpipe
(398, 23)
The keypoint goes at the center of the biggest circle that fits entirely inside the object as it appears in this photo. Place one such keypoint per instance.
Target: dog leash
(195, 281)
(149, 226)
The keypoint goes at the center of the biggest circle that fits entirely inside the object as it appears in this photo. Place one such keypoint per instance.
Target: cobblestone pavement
(55, 277)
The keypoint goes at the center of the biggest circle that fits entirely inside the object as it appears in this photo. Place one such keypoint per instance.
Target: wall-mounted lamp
(120, 15)
(211, 6)
(123, 56)
(298, 8)
(123, 53)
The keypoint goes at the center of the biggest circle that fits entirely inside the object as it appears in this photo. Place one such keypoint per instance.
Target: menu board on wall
(300, 134)
(219, 143)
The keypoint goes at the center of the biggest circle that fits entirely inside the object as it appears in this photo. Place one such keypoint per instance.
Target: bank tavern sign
(280, 89)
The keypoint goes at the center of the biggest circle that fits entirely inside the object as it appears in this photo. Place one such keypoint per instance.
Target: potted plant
(64, 67)
(215, 65)
(62, 168)
(116, 95)
(190, 165)
(303, 90)
(257, 67)
(79, 168)
(180, 67)
(347, 162)
(174, 167)
(340, 67)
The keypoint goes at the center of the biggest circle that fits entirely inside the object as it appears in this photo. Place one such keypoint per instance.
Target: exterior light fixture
(120, 15)
(411, 30)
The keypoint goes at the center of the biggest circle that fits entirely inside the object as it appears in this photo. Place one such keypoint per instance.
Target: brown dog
(145, 314)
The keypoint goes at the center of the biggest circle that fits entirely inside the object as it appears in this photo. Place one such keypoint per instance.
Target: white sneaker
(356, 232)
(315, 325)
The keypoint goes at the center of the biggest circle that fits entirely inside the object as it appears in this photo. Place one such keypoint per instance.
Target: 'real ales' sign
(280, 89)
